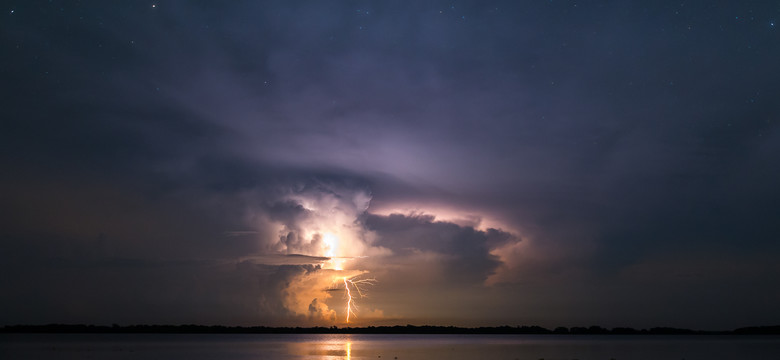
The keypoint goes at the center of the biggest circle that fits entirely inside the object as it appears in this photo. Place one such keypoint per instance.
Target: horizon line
(380, 329)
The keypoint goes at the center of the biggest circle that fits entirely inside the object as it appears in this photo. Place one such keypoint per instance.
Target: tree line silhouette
(398, 329)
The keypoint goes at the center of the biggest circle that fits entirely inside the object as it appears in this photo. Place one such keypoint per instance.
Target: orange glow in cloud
(328, 228)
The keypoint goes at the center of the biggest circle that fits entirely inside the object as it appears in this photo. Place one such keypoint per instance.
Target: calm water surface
(384, 347)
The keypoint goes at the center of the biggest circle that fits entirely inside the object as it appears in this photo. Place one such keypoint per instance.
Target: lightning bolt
(349, 299)
(356, 285)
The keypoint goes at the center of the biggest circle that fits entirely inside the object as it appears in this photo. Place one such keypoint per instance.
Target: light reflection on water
(336, 348)
(382, 347)
(462, 347)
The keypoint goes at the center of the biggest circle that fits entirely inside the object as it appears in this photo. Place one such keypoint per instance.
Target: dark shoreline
(408, 329)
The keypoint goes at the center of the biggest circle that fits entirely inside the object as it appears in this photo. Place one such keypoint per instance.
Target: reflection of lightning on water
(356, 285)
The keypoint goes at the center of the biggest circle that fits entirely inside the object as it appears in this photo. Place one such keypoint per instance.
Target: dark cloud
(626, 144)
(464, 251)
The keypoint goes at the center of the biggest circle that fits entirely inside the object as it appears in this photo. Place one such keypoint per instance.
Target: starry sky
(553, 163)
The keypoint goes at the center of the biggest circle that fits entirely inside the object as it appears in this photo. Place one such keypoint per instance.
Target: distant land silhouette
(408, 329)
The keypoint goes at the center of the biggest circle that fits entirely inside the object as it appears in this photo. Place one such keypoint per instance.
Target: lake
(384, 347)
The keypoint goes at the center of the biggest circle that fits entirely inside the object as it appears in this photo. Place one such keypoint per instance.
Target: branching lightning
(332, 247)
(356, 285)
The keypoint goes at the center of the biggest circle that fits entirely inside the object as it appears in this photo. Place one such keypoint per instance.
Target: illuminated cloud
(317, 222)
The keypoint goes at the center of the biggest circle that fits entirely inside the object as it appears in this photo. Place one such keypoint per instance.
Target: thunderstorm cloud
(485, 163)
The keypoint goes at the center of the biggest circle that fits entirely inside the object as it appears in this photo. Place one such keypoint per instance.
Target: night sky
(553, 163)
